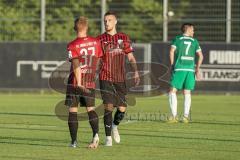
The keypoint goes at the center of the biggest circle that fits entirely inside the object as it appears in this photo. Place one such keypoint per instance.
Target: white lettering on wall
(224, 57)
(46, 67)
(226, 75)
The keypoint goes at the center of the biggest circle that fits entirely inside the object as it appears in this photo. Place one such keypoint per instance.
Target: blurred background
(144, 21)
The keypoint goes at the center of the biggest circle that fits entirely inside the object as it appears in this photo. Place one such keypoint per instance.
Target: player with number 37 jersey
(84, 53)
(87, 50)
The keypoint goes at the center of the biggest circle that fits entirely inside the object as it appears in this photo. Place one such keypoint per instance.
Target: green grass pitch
(30, 130)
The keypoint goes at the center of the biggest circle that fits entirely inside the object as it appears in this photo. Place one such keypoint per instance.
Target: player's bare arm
(132, 60)
(199, 62)
(77, 73)
(171, 57)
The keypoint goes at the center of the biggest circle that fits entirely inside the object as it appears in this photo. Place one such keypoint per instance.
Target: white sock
(96, 136)
(173, 103)
(187, 104)
(114, 126)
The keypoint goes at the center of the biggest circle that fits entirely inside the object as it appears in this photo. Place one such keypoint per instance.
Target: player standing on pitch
(112, 75)
(83, 53)
(183, 52)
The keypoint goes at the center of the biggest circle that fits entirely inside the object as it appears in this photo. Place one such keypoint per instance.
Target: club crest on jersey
(120, 43)
(114, 48)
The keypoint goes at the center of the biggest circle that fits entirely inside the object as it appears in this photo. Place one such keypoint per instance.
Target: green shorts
(183, 80)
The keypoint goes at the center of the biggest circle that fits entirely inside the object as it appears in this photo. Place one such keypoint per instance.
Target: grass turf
(29, 129)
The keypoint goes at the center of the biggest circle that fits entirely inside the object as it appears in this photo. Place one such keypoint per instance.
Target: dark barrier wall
(221, 66)
(29, 65)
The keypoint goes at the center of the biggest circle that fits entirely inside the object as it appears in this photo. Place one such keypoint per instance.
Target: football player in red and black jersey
(84, 53)
(116, 47)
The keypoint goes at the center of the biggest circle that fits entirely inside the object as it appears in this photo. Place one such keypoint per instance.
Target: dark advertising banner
(29, 65)
(221, 66)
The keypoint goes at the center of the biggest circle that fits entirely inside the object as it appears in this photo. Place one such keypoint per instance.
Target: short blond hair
(80, 23)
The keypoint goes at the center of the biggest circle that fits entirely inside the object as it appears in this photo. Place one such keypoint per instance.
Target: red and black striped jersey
(87, 50)
(115, 48)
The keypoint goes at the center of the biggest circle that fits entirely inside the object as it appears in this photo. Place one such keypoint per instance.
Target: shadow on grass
(181, 137)
(197, 122)
(27, 114)
(36, 129)
(24, 157)
(175, 147)
(216, 123)
(31, 139)
(37, 141)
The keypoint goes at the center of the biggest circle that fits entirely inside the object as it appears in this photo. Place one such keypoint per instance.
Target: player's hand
(83, 89)
(172, 69)
(198, 75)
(136, 78)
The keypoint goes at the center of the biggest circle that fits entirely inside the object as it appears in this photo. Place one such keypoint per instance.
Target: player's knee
(89, 109)
(186, 92)
(172, 90)
(172, 94)
(73, 109)
(122, 109)
(109, 107)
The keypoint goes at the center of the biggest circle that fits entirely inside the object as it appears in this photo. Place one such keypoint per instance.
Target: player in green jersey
(184, 50)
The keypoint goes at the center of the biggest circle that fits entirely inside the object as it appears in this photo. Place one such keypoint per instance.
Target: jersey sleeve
(198, 48)
(72, 52)
(101, 43)
(99, 49)
(174, 43)
(127, 45)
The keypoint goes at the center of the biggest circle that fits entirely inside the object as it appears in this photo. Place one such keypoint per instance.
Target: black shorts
(113, 93)
(75, 96)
